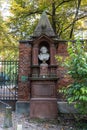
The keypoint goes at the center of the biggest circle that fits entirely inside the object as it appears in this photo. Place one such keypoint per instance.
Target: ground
(64, 122)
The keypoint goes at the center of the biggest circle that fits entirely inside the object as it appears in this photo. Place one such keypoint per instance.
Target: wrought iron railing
(8, 80)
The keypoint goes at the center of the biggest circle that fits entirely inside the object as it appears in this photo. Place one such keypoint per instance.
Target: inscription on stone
(45, 90)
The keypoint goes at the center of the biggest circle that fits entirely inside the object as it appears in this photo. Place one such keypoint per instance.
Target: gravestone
(8, 117)
(38, 75)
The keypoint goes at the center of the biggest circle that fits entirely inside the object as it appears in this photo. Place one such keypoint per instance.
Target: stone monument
(38, 79)
(43, 102)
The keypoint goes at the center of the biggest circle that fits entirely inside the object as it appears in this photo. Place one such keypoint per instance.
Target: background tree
(63, 14)
(8, 44)
(65, 17)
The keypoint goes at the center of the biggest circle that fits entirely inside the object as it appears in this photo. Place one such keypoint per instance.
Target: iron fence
(8, 80)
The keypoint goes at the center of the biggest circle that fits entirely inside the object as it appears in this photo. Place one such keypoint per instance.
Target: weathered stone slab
(22, 107)
(66, 108)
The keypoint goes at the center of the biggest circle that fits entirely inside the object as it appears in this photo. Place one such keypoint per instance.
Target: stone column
(8, 117)
(53, 60)
(35, 55)
(52, 55)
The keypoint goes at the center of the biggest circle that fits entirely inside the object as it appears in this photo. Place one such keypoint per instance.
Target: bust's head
(43, 50)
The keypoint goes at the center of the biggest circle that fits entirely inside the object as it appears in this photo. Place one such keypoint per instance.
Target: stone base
(66, 108)
(43, 108)
(23, 107)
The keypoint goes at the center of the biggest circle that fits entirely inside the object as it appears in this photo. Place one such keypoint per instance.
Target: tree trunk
(53, 16)
(74, 20)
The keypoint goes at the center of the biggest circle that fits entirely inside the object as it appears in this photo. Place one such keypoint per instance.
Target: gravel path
(27, 124)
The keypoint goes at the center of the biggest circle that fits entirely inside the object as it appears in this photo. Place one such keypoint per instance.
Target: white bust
(43, 56)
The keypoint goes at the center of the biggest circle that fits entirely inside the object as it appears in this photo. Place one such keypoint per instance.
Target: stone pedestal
(43, 108)
(43, 70)
(43, 103)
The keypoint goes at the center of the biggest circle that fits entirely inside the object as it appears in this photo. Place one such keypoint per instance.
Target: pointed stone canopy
(44, 27)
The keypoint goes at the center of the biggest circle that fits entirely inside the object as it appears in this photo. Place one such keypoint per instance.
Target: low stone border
(64, 107)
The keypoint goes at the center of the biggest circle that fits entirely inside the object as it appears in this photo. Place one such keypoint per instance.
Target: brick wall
(64, 79)
(24, 71)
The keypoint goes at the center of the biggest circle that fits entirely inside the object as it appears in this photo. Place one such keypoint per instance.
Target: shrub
(76, 64)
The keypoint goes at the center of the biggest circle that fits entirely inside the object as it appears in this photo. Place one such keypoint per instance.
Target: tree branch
(64, 1)
(77, 19)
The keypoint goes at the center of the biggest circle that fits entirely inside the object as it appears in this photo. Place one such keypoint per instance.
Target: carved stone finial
(44, 26)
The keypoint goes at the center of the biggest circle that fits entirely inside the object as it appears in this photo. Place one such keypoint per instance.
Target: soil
(63, 122)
